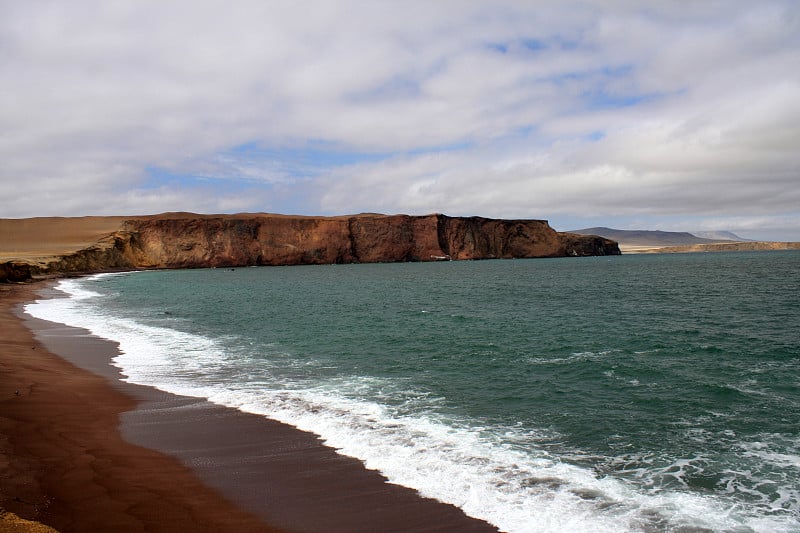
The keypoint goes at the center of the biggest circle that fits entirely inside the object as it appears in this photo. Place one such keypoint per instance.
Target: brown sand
(67, 463)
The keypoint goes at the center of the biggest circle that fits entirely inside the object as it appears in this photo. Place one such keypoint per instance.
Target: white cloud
(496, 108)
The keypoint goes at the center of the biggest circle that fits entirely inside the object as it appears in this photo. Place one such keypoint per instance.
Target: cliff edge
(186, 240)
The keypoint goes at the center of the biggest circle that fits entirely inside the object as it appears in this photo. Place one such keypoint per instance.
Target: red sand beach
(83, 451)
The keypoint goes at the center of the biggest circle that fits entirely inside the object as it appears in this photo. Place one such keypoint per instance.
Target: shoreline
(66, 464)
(246, 472)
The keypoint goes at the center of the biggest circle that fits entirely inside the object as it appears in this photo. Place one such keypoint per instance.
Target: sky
(675, 116)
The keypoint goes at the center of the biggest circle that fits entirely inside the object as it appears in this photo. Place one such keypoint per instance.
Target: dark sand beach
(84, 451)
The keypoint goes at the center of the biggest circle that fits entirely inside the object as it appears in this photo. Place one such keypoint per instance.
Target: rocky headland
(57, 246)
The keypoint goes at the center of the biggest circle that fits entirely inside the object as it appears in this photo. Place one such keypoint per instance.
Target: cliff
(185, 240)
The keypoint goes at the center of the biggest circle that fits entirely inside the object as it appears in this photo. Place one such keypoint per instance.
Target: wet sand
(84, 451)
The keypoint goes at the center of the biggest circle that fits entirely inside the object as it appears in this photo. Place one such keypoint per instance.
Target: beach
(66, 463)
(84, 451)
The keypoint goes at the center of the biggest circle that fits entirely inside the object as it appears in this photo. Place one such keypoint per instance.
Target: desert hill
(720, 236)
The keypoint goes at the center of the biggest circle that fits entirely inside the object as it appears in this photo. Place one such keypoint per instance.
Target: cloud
(594, 109)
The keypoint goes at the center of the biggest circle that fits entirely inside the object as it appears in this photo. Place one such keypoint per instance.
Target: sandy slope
(34, 239)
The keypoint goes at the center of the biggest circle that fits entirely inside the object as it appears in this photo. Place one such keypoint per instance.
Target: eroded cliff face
(183, 240)
(265, 240)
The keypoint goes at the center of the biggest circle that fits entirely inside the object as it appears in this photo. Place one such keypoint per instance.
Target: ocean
(625, 393)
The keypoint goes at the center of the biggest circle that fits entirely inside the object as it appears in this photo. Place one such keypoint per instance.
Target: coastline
(88, 451)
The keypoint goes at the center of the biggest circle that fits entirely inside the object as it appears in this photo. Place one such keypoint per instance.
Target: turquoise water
(642, 393)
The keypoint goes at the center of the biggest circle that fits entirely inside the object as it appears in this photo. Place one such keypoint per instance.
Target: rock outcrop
(185, 240)
(15, 271)
(11, 523)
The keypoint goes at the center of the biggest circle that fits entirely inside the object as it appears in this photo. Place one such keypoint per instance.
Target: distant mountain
(720, 236)
(648, 238)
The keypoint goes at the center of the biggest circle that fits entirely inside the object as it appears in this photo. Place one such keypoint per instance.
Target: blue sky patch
(528, 45)
(309, 156)
(158, 177)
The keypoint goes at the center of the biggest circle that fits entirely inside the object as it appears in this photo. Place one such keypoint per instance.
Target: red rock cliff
(185, 240)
